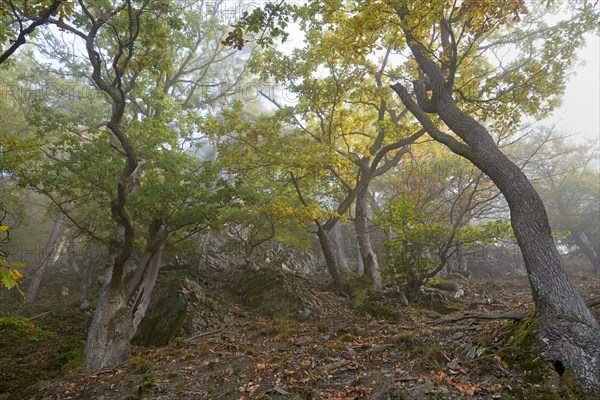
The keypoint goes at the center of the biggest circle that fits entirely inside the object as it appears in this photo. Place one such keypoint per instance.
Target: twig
(413, 378)
(203, 334)
(108, 370)
(381, 349)
(41, 315)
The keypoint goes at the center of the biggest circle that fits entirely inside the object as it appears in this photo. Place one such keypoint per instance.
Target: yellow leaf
(15, 275)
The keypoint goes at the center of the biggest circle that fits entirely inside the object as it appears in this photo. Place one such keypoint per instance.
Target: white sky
(580, 110)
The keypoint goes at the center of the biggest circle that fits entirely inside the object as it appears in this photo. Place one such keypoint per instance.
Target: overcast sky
(580, 111)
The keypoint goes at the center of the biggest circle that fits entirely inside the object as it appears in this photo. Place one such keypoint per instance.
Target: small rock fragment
(303, 340)
(454, 365)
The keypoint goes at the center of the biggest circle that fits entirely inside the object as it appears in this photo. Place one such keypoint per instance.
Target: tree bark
(566, 329)
(326, 245)
(330, 258)
(120, 310)
(361, 221)
(51, 253)
(340, 254)
(110, 332)
(360, 266)
(140, 293)
(85, 269)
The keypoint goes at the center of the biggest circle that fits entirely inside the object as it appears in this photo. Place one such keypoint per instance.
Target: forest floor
(346, 354)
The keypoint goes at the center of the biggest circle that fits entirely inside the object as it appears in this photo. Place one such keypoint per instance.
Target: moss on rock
(437, 302)
(380, 311)
(277, 293)
(523, 355)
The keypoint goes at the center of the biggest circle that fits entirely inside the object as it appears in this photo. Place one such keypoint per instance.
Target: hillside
(370, 348)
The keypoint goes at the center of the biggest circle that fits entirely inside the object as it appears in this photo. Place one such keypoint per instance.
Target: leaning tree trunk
(51, 253)
(329, 255)
(340, 254)
(567, 332)
(369, 259)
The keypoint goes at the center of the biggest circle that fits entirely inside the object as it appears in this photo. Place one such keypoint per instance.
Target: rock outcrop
(275, 292)
(179, 307)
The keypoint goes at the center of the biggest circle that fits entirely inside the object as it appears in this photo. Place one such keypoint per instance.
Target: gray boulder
(275, 292)
(179, 307)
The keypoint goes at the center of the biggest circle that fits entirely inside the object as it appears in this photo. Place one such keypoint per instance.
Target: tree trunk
(110, 332)
(589, 250)
(457, 263)
(582, 241)
(340, 254)
(118, 315)
(368, 256)
(139, 292)
(120, 309)
(579, 237)
(329, 254)
(51, 253)
(360, 266)
(567, 332)
(85, 270)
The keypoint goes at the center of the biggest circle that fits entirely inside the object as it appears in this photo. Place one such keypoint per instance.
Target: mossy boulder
(179, 307)
(277, 293)
(379, 310)
(437, 302)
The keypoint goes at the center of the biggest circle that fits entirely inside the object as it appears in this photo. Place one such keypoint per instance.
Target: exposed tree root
(593, 302)
(477, 315)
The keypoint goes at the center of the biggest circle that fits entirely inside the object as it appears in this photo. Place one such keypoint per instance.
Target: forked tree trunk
(579, 237)
(567, 332)
(588, 249)
(52, 251)
(120, 309)
(369, 259)
(110, 332)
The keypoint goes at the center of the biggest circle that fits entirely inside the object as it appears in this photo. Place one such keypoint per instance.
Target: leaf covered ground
(389, 352)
